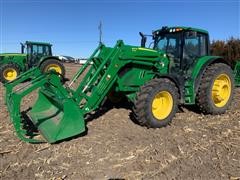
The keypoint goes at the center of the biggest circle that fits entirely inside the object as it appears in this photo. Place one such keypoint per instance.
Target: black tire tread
(202, 100)
(52, 61)
(140, 110)
(9, 65)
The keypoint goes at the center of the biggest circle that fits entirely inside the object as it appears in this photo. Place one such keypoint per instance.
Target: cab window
(34, 49)
(195, 45)
(170, 43)
(47, 50)
(40, 49)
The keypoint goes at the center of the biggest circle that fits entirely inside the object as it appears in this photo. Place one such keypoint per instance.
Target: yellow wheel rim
(54, 67)
(221, 90)
(162, 105)
(10, 74)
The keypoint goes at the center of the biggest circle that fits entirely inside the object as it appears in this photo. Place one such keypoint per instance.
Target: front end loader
(156, 80)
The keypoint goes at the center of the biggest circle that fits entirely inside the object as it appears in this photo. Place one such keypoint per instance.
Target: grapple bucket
(56, 120)
(54, 115)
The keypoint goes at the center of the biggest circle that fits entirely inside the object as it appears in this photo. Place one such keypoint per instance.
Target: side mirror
(143, 40)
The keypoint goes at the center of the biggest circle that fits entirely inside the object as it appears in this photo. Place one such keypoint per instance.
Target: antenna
(100, 32)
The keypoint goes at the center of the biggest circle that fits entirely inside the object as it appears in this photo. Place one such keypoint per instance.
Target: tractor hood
(12, 54)
(10, 57)
(135, 52)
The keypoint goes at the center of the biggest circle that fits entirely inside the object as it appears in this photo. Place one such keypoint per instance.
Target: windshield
(37, 49)
(170, 43)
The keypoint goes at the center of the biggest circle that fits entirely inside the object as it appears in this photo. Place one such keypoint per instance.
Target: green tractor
(177, 70)
(32, 54)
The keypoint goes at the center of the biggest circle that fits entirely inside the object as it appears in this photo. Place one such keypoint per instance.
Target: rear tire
(156, 103)
(53, 64)
(9, 72)
(215, 92)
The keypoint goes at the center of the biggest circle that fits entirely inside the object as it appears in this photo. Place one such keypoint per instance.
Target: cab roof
(180, 28)
(38, 43)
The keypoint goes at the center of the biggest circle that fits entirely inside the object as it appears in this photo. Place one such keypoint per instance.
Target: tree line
(229, 49)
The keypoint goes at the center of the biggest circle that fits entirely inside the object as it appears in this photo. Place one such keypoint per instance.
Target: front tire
(9, 72)
(215, 93)
(156, 103)
(53, 64)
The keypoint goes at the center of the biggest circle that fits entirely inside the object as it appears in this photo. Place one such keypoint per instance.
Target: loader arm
(99, 79)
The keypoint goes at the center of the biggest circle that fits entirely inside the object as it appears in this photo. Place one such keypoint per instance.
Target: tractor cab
(183, 46)
(35, 51)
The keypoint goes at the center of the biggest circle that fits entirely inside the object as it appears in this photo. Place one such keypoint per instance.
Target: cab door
(171, 43)
(195, 46)
(36, 52)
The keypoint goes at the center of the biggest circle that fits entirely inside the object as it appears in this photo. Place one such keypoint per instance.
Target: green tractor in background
(177, 70)
(33, 54)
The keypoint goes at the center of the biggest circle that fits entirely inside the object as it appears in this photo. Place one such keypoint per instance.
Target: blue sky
(72, 25)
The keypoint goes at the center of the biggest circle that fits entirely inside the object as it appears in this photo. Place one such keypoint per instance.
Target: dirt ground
(193, 147)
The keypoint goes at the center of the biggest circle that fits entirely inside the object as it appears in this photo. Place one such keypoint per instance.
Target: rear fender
(193, 82)
(45, 58)
(237, 73)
